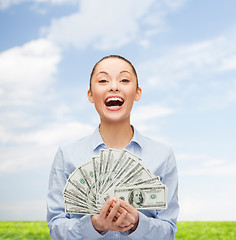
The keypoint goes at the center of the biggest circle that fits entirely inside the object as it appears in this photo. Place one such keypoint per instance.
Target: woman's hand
(113, 217)
(132, 215)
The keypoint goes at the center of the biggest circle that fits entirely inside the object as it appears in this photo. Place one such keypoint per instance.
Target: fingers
(117, 215)
(132, 216)
(121, 218)
(106, 207)
(123, 229)
(121, 224)
(126, 206)
(113, 211)
(122, 210)
(113, 217)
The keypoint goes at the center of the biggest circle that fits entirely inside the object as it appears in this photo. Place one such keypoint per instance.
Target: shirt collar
(97, 140)
(137, 138)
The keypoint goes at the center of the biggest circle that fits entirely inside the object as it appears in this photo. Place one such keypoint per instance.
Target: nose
(114, 87)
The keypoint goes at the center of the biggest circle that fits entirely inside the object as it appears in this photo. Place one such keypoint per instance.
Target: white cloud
(208, 160)
(26, 71)
(22, 211)
(150, 112)
(109, 24)
(214, 162)
(150, 118)
(144, 43)
(52, 134)
(4, 4)
(227, 169)
(201, 208)
(190, 157)
(203, 165)
(185, 63)
(37, 147)
(231, 94)
(156, 15)
(201, 74)
(25, 157)
(57, 2)
(228, 64)
(58, 133)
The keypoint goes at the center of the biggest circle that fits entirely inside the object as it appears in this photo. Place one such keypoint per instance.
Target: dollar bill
(73, 189)
(77, 209)
(144, 197)
(152, 181)
(132, 175)
(79, 181)
(113, 157)
(102, 166)
(113, 173)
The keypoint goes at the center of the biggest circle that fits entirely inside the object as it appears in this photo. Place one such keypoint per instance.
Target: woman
(113, 90)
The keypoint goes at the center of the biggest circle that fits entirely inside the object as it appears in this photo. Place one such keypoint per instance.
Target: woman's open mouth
(114, 103)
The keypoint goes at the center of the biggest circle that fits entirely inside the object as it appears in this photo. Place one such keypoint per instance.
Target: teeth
(114, 99)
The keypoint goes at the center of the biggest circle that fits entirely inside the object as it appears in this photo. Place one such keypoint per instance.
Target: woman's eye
(125, 80)
(102, 81)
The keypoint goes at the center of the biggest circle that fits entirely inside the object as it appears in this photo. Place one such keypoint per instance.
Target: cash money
(113, 173)
(144, 197)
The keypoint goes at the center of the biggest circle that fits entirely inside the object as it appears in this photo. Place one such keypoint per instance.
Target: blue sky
(185, 55)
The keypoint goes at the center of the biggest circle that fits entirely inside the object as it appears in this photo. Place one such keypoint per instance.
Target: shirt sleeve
(162, 225)
(61, 224)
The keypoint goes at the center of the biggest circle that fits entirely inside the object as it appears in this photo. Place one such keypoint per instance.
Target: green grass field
(186, 230)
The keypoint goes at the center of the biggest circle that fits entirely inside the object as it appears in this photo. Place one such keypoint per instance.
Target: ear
(138, 94)
(90, 96)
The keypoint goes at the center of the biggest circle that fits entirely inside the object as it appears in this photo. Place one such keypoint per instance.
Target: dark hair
(113, 56)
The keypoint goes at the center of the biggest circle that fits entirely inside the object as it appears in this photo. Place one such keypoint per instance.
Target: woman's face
(114, 89)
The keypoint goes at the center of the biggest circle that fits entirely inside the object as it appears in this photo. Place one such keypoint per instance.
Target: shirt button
(117, 234)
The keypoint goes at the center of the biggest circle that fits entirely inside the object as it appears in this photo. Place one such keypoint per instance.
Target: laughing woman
(113, 90)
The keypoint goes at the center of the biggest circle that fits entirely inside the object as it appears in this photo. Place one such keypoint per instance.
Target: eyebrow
(124, 71)
(102, 72)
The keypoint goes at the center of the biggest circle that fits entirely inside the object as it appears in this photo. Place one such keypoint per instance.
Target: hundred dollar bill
(87, 171)
(144, 197)
(102, 166)
(122, 173)
(75, 197)
(152, 181)
(95, 162)
(83, 203)
(128, 154)
(79, 181)
(113, 157)
(73, 201)
(77, 204)
(138, 174)
(126, 162)
(114, 173)
(70, 208)
(118, 165)
(73, 189)
(128, 165)
(135, 174)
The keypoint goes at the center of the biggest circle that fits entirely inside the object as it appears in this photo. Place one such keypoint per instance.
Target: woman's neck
(116, 135)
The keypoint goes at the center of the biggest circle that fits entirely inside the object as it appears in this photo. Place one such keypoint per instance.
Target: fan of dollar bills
(114, 173)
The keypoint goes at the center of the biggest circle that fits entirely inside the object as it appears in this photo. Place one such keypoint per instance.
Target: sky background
(185, 55)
